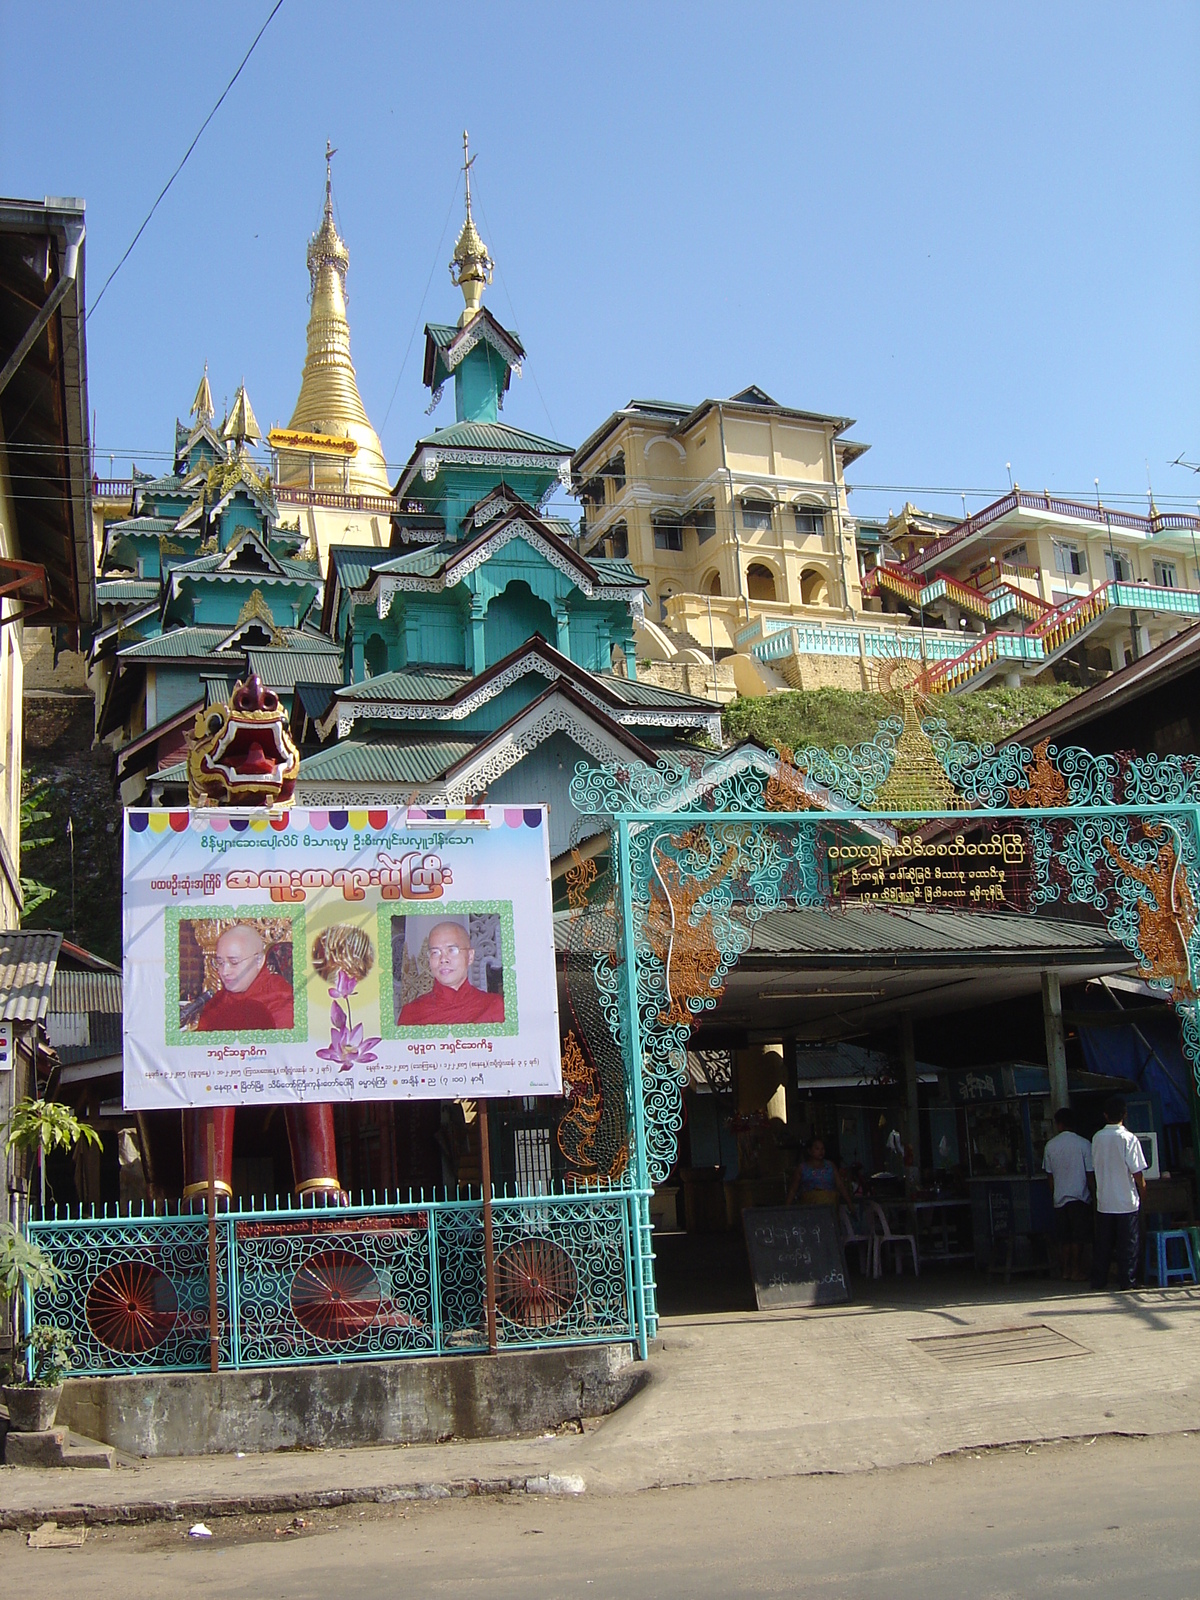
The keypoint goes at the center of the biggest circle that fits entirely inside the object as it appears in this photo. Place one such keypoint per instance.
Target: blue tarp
(1149, 1052)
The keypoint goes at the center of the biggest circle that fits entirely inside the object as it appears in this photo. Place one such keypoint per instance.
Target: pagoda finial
(471, 266)
(241, 424)
(325, 248)
(329, 402)
(202, 406)
(330, 152)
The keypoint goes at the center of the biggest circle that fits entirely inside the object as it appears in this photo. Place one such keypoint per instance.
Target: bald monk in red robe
(453, 997)
(251, 996)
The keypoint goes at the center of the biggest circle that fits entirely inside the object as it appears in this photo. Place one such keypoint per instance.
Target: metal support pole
(489, 1255)
(1056, 1047)
(912, 1095)
(634, 1059)
(214, 1326)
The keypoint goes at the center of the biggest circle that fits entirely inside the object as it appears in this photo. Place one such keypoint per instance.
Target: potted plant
(44, 1355)
(43, 1361)
(44, 1125)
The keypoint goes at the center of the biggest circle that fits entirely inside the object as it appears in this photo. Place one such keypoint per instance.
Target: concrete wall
(359, 1403)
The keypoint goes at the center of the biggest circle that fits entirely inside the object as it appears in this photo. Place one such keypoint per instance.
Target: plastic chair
(1157, 1257)
(850, 1235)
(882, 1234)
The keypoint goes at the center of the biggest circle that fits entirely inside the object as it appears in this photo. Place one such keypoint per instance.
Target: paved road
(1114, 1518)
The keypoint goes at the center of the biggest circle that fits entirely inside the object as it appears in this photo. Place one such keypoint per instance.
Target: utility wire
(420, 308)
(517, 322)
(162, 192)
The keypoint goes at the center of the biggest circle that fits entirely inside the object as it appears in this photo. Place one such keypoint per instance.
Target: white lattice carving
(458, 569)
(489, 511)
(351, 709)
(435, 400)
(488, 458)
(557, 717)
(480, 330)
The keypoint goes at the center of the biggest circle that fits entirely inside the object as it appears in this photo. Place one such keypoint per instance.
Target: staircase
(953, 664)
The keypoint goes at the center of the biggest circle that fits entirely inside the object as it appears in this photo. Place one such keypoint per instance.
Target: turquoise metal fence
(351, 1283)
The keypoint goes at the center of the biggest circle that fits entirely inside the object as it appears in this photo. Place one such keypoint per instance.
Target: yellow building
(735, 510)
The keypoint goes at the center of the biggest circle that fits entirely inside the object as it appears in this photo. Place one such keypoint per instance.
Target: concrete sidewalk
(744, 1395)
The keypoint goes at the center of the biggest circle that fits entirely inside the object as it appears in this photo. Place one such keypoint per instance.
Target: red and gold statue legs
(314, 1154)
(195, 1154)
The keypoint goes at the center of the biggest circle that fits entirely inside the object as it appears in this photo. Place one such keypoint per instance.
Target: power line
(421, 307)
(186, 154)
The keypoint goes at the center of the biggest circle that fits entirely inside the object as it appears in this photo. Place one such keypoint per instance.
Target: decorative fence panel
(353, 1283)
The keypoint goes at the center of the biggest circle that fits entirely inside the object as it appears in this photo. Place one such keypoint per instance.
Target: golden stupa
(329, 410)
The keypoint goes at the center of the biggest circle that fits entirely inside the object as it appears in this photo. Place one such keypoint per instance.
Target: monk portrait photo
(448, 970)
(251, 995)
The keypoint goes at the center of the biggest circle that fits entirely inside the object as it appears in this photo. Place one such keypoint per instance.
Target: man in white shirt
(1068, 1160)
(1118, 1163)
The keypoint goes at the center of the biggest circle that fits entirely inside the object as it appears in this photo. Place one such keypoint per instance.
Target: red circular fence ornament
(535, 1282)
(335, 1296)
(131, 1307)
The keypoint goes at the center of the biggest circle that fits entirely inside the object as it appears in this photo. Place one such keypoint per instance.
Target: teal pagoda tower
(198, 588)
(483, 656)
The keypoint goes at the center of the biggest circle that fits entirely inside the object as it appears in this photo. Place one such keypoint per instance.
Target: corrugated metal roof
(615, 570)
(172, 775)
(83, 1022)
(365, 761)
(492, 436)
(880, 930)
(27, 962)
(632, 692)
(422, 686)
(353, 564)
(86, 991)
(280, 669)
(180, 642)
(423, 563)
(144, 525)
(315, 698)
(109, 590)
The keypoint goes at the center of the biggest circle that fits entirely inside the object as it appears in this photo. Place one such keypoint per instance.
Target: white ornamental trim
(367, 710)
(479, 330)
(520, 741)
(386, 585)
(490, 510)
(433, 460)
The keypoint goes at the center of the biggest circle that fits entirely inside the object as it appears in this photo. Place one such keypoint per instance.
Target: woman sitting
(817, 1181)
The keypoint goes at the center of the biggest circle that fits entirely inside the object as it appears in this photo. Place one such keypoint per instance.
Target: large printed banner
(338, 955)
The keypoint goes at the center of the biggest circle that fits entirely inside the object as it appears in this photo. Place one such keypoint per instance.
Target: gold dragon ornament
(241, 753)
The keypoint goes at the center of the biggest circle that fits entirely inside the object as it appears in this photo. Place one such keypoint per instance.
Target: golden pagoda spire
(202, 406)
(471, 266)
(241, 424)
(329, 403)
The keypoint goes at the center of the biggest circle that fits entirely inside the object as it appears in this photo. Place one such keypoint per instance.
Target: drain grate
(1001, 1347)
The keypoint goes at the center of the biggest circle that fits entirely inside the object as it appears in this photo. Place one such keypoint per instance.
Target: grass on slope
(827, 717)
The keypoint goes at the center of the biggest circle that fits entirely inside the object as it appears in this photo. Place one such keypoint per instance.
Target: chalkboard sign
(796, 1256)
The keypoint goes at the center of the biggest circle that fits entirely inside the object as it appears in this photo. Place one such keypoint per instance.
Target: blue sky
(975, 229)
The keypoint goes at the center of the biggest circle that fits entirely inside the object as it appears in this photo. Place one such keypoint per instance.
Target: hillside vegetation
(827, 717)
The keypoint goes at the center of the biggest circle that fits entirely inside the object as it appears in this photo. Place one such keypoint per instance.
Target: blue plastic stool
(1157, 1241)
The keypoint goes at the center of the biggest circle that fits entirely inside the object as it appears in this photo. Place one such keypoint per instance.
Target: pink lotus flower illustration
(343, 985)
(347, 1047)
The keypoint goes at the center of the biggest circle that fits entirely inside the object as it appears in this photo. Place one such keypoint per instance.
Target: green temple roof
(384, 760)
(115, 591)
(436, 683)
(491, 436)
